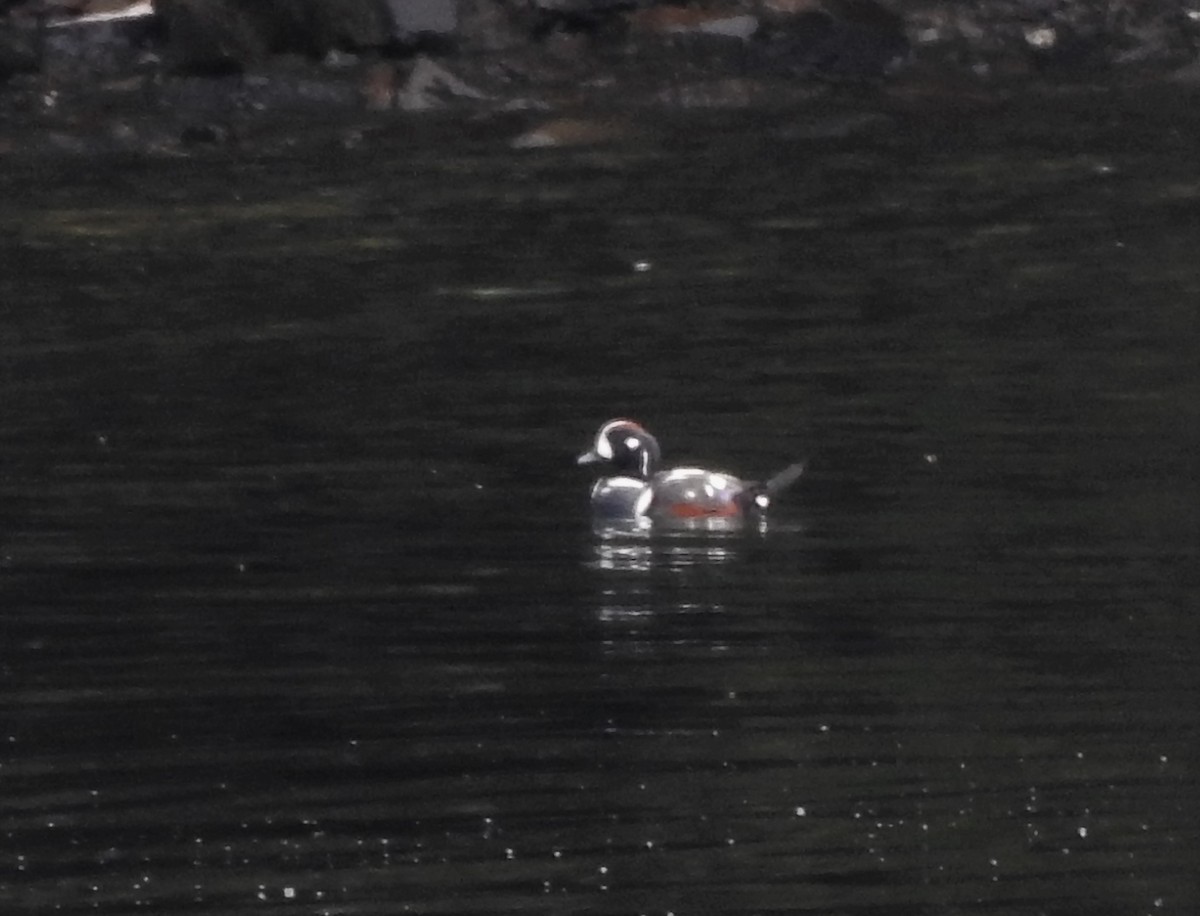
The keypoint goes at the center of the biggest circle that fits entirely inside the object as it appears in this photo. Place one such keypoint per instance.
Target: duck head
(625, 448)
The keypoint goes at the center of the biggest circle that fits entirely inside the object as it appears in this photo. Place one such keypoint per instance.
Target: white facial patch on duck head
(603, 446)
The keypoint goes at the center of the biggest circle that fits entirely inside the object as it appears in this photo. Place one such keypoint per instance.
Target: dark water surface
(302, 611)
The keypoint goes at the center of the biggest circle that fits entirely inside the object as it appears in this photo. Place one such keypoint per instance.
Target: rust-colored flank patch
(691, 510)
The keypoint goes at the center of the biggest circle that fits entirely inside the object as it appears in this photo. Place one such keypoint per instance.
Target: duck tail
(773, 486)
(758, 496)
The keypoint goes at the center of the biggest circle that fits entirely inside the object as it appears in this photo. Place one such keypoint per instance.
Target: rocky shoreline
(173, 76)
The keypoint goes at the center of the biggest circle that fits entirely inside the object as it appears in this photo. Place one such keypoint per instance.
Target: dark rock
(319, 26)
(82, 50)
(1056, 37)
(836, 39)
(414, 20)
(241, 61)
(230, 35)
(1080, 37)
(213, 36)
(261, 93)
(485, 26)
(18, 47)
(677, 21)
(378, 87)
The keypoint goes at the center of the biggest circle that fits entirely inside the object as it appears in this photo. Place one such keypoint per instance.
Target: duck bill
(588, 458)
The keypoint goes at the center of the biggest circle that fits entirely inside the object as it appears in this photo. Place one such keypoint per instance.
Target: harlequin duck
(635, 490)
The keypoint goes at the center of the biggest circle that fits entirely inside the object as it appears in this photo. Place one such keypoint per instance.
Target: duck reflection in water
(624, 549)
(647, 579)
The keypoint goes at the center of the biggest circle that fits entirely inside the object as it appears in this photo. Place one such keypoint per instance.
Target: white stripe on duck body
(634, 489)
